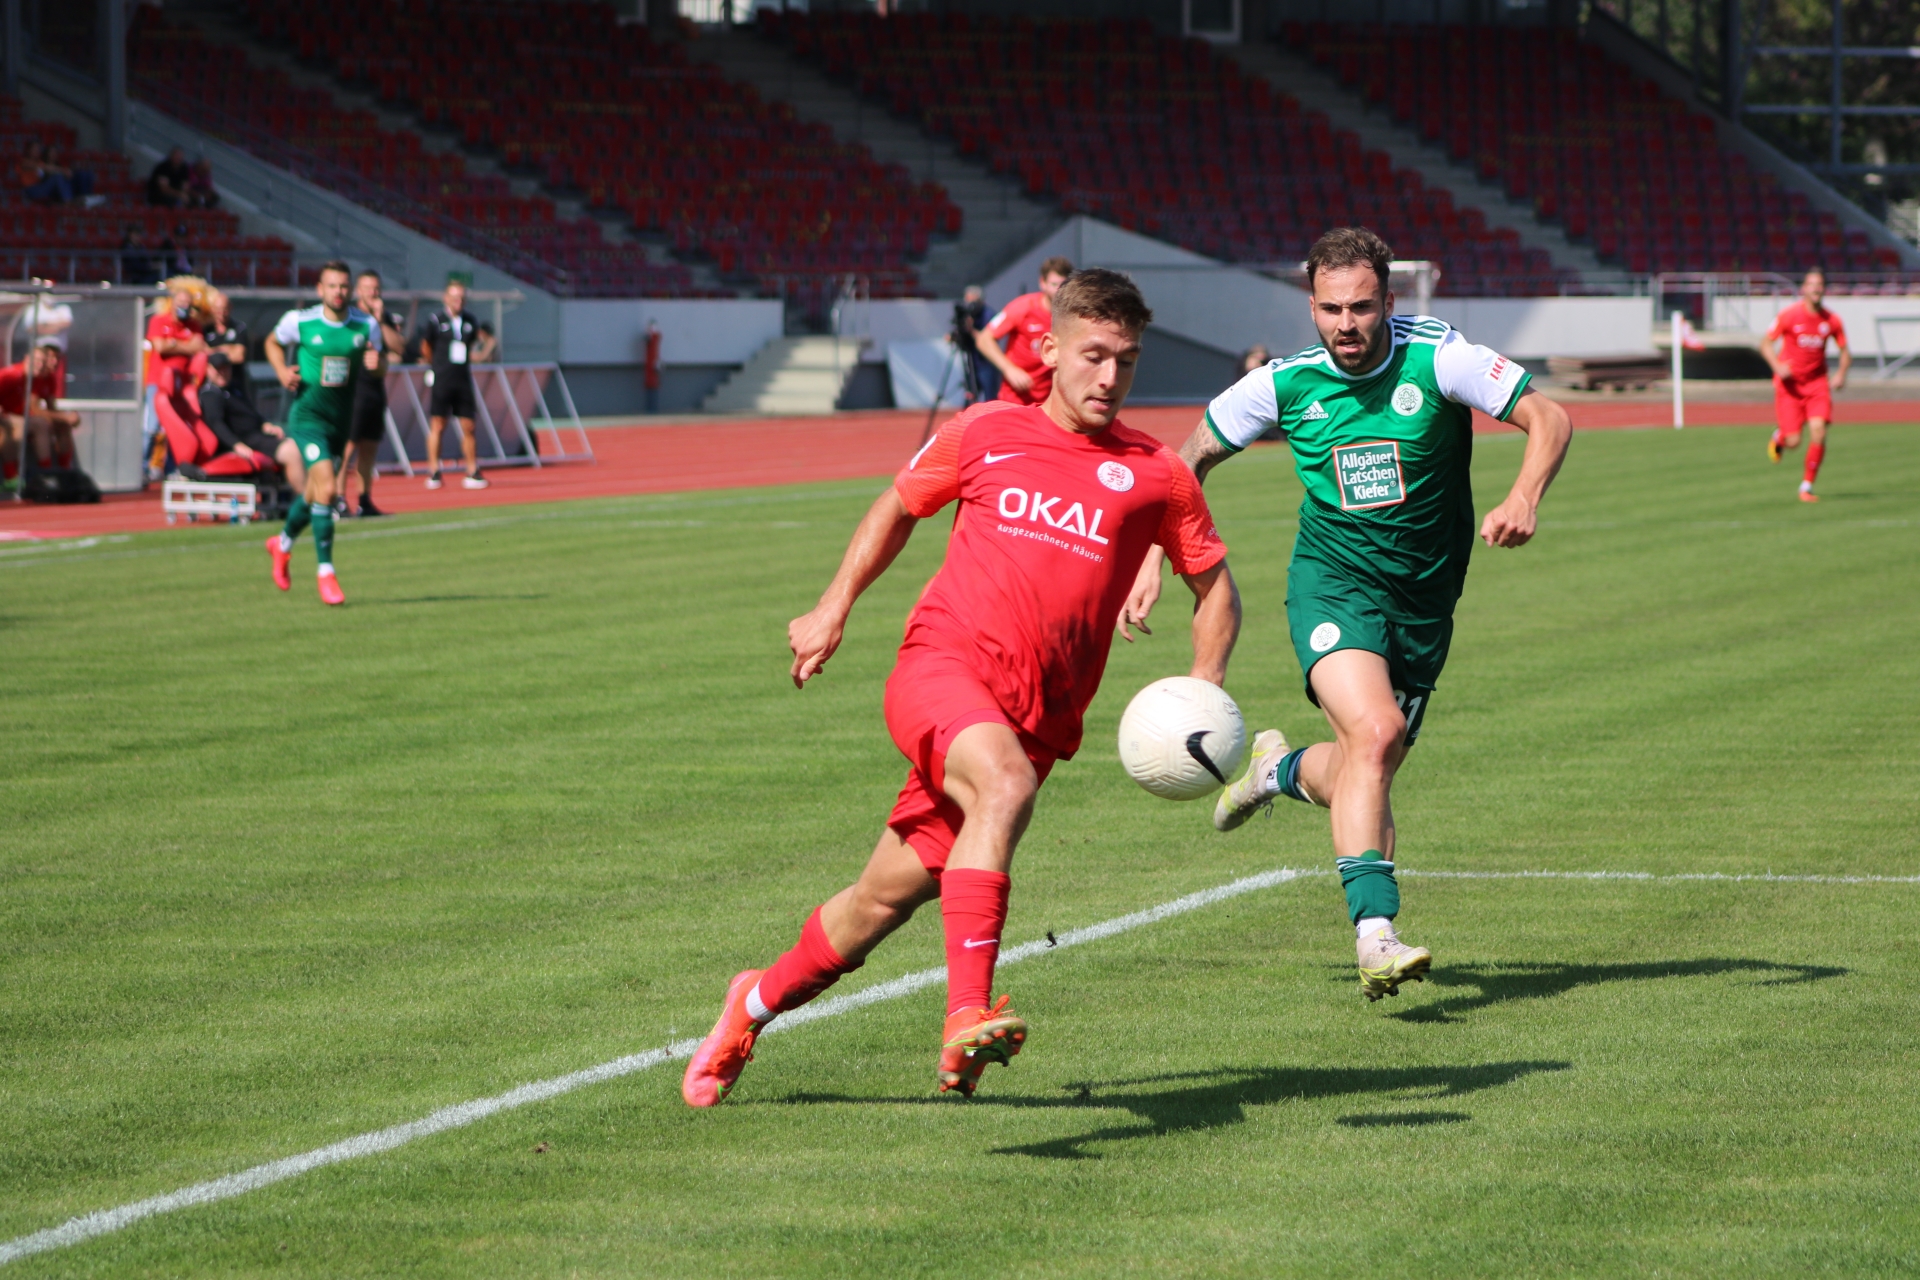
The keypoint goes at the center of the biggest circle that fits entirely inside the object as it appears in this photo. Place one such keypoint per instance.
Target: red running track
(749, 453)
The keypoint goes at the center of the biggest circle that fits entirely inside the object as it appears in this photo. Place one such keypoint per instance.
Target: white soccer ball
(1182, 738)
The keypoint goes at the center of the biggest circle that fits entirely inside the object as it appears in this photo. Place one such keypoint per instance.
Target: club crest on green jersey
(1408, 399)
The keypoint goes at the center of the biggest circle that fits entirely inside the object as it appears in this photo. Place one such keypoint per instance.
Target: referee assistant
(453, 342)
(370, 397)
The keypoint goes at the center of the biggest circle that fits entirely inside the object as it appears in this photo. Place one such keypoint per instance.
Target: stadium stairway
(1317, 90)
(788, 376)
(1000, 219)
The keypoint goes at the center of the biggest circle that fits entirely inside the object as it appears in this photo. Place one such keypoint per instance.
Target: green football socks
(1371, 888)
(299, 516)
(322, 517)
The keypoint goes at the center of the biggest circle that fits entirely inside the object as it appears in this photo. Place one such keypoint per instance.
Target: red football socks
(804, 972)
(973, 906)
(1816, 453)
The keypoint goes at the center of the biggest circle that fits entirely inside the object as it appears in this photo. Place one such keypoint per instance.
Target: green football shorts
(316, 439)
(1327, 611)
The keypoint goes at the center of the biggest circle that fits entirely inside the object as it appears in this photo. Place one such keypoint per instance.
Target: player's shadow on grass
(1497, 984)
(1214, 1099)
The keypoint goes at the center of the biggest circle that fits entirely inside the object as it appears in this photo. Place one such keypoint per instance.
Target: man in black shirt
(453, 342)
(230, 336)
(167, 184)
(370, 397)
(229, 413)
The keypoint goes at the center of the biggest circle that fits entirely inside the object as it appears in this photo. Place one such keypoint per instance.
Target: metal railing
(250, 267)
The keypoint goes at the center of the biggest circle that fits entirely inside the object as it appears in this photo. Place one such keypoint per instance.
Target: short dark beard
(1382, 338)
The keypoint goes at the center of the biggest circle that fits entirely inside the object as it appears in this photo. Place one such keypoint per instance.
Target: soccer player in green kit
(1379, 417)
(319, 354)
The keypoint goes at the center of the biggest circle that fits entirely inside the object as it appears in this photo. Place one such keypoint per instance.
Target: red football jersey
(1026, 318)
(1050, 531)
(1803, 335)
(13, 388)
(166, 325)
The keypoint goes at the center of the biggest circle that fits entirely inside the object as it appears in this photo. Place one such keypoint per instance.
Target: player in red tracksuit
(1025, 378)
(1801, 393)
(1058, 505)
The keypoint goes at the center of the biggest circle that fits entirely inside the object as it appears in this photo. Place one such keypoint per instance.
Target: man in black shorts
(452, 341)
(370, 397)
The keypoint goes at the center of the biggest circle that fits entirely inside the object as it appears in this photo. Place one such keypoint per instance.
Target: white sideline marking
(105, 1221)
(1766, 877)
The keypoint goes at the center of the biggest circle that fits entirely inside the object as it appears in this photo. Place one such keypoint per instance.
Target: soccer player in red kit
(1796, 347)
(1058, 505)
(1025, 378)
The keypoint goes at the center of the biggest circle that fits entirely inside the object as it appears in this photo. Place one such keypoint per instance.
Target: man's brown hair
(1349, 247)
(1107, 296)
(337, 265)
(1056, 266)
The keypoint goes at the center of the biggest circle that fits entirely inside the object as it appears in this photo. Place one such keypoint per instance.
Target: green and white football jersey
(1384, 456)
(330, 361)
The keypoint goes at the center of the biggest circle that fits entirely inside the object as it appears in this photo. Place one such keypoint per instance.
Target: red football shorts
(1794, 401)
(931, 696)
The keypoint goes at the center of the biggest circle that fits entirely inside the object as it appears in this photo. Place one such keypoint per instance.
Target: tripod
(969, 377)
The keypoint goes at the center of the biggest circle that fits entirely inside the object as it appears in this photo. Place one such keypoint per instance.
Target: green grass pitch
(273, 876)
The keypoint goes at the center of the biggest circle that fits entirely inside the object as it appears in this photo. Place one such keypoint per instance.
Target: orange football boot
(281, 559)
(330, 591)
(976, 1038)
(726, 1051)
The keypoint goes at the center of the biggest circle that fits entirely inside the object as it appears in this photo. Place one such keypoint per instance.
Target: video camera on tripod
(960, 338)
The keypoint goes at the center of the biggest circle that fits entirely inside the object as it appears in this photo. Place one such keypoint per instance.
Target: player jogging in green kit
(319, 354)
(1379, 417)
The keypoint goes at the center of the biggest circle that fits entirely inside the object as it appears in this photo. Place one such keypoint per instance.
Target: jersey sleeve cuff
(1214, 427)
(1526, 380)
(1205, 561)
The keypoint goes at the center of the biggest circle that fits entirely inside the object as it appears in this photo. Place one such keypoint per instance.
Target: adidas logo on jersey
(1314, 413)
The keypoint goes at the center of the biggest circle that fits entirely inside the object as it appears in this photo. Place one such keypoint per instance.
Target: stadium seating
(1602, 150)
(1159, 135)
(216, 89)
(71, 242)
(590, 105)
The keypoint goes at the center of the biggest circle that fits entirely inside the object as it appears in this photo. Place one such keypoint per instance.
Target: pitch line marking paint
(106, 1221)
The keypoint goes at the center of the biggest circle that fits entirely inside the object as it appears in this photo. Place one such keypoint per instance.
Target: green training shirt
(1384, 456)
(331, 358)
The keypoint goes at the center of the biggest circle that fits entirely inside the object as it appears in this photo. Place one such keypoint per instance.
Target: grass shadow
(1498, 984)
(1199, 1100)
(1403, 1119)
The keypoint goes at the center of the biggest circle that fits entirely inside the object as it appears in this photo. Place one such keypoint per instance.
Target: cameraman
(969, 318)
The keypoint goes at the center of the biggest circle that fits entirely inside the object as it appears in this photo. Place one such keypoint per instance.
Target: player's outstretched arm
(814, 636)
(1216, 621)
(1549, 431)
(1202, 453)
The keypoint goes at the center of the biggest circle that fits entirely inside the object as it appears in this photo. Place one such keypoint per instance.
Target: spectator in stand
(175, 340)
(46, 181)
(230, 337)
(167, 184)
(973, 303)
(200, 192)
(453, 342)
(175, 260)
(253, 443)
(1026, 379)
(136, 266)
(29, 400)
(653, 366)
